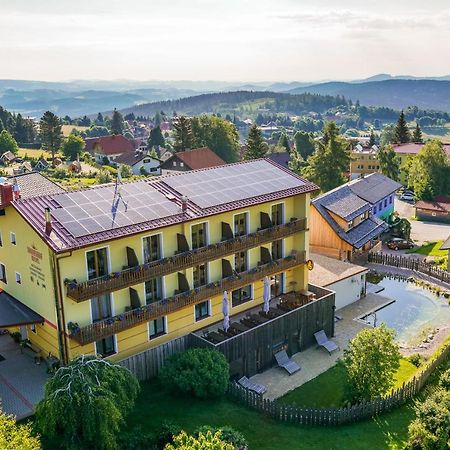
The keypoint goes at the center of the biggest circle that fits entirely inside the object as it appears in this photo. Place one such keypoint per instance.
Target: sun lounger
(323, 341)
(286, 363)
(255, 387)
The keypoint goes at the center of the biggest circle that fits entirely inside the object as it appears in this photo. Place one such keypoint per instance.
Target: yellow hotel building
(117, 269)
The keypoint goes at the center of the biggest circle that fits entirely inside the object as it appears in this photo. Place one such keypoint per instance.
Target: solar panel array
(231, 183)
(102, 209)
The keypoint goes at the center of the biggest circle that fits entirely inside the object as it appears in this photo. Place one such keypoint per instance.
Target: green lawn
(429, 249)
(154, 406)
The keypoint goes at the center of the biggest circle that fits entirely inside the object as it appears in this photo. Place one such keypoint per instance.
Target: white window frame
(209, 311)
(247, 220)
(116, 348)
(161, 244)
(284, 210)
(13, 238)
(207, 231)
(4, 274)
(166, 330)
(163, 288)
(252, 296)
(108, 253)
(18, 277)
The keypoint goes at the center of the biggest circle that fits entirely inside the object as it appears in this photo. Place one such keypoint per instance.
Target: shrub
(103, 177)
(16, 437)
(201, 372)
(416, 359)
(136, 439)
(228, 434)
(206, 441)
(444, 380)
(126, 171)
(166, 433)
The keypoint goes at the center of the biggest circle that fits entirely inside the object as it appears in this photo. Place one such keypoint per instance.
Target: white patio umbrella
(225, 311)
(266, 295)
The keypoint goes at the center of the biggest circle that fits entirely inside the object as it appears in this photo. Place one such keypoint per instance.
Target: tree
(85, 404)
(8, 143)
(126, 171)
(304, 144)
(284, 142)
(387, 135)
(183, 137)
(402, 134)
(116, 122)
(417, 134)
(16, 437)
(370, 361)
(50, 132)
(73, 146)
(429, 171)
(372, 138)
(156, 138)
(157, 119)
(218, 134)
(24, 130)
(389, 162)
(327, 165)
(296, 162)
(99, 120)
(208, 441)
(256, 147)
(97, 131)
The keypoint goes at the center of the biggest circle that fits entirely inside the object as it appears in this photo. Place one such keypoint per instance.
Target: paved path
(21, 381)
(315, 361)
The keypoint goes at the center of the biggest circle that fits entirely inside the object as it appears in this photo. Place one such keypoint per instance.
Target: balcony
(108, 327)
(139, 274)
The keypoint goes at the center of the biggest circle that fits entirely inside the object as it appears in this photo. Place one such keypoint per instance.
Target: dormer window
(350, 224)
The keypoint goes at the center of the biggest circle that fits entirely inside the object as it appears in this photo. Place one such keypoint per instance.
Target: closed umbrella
(225, 311)
(266, 295)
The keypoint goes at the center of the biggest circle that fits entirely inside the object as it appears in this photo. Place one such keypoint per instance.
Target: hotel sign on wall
(36, 273)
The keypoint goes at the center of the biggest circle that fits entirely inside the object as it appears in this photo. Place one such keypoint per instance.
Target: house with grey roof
(343, 224)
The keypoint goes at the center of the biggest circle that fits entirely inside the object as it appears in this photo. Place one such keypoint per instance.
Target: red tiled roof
(109, 145)
(440, 204)
(199, 158)
(413, 148)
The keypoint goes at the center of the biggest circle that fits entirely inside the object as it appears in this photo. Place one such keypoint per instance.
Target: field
(67, 129)
(442, 133)
(33, 153)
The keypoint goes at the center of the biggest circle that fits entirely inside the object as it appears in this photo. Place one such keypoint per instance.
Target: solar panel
(102, 209)
(232, 183)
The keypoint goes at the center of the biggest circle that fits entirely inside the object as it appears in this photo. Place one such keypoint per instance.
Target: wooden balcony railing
(108, 327)
(139, 274)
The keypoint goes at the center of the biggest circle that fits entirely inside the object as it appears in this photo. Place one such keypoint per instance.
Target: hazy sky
(239, 40)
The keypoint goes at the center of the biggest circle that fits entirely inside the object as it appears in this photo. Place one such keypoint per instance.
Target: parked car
(399, 244)
(407, 197)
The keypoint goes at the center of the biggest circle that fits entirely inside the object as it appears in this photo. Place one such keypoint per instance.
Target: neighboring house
(42, 164)
(436, 211)
(379, 190)
(7, 158)
(364, 161)
(139, 160)
(347, 280)
(23, 168)
(197, 158)
(446, 246)
(126, 279)
(110, 147)
(281, 158)
(342, 224)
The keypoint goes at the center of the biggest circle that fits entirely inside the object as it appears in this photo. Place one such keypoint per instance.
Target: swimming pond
(413, 310)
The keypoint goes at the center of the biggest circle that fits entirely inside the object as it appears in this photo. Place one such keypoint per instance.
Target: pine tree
(256, 147)
(389, 162)
(100, 119)
(116, 122)
(50, 131)
(372, 138)
(284, 142)
(182, 134)
(417, 134)
(402, 134)
(156, 138)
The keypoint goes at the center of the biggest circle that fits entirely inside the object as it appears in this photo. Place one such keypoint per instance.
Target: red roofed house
(437, 210)
(197, 158)
(110, 147)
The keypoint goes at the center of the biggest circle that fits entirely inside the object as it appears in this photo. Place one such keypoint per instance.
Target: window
(174, 164)
(240, 224)
(198, 233)
(202, 310)
(3, 273)
(157, 327)
(380, 207)
(152, 248)
(18, 278)
(390, 199)
(277, 249)
(374, 210)
(276, 284)
(240, 262)
(385, 202)
(350, 224)
(240, 296)
(106, 347)
(1, 239)
(33, 328)
(153, 169)
(200, 275)
(97, 263)
(181, 164)
(101, 307)
(277, 214)
(13, 238)
(146, 161)
(153, 290)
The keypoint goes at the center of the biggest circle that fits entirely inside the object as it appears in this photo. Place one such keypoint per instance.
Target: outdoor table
(259, 319)
(239, 326)
(216, 336)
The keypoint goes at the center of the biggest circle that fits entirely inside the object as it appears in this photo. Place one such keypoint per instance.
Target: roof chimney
(48, 221)
(184, 201)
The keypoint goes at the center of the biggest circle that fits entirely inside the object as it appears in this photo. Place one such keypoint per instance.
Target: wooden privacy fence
(410, 263)
(147, 364)
(338, 416)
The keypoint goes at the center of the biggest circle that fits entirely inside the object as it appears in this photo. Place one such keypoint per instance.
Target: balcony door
(153, 290)
(276, 285)
(152, 248)
(240, 224)
(101, 307)
(198, 235)
(277, 214)
(97, 263)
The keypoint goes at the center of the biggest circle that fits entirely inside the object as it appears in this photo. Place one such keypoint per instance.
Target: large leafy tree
(296, 162)
(370, 361)
(304, 144)
(182, 130)
(156, 138)
(387, 135)
(429, 172)
(50, 131)
(417, 134)
(73, 146)
(24, 130)
(284, 142)
(402, 134)
(16, 437)
(218, 134)
(8, 143)
(256, 147)
(331, 160)
(85, 404)
(389, 162)
(116, 122)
